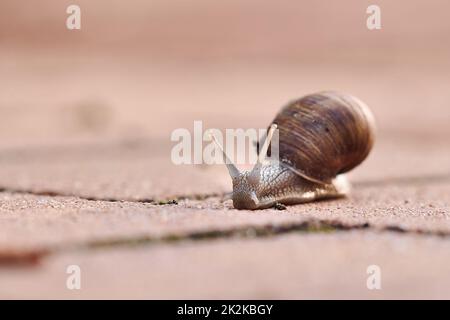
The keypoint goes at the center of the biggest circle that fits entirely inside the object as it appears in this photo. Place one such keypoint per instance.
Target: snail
(321, 136)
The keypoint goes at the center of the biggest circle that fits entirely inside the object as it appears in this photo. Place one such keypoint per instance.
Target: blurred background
(139, 69)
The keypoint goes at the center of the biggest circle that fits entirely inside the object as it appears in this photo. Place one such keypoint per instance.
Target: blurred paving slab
(138, 171)
(313, 265)
(95, 96)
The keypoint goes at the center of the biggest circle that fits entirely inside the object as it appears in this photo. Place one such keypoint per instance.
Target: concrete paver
(35, 221)
(313, 265)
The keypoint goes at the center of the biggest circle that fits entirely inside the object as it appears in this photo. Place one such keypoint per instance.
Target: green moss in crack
(165, 202)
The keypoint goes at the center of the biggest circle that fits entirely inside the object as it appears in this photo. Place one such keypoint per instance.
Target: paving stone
(318, 265)
(46, 221)
(116, 172)
(29, 221)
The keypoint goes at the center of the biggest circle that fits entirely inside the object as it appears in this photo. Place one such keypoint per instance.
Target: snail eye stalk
(232, 170)
(263, 152)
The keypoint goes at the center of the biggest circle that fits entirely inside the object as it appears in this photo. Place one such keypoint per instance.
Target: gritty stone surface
(29, 221)
(34, 221)
(304, 266)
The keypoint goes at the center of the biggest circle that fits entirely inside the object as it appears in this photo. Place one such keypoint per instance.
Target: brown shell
(324, 134)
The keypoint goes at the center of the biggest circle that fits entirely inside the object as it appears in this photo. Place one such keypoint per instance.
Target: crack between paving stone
(161, 201)
(310, 225)
(438, 178)
(34, 257)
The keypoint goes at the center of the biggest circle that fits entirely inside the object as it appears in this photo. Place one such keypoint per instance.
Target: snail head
(246, 184)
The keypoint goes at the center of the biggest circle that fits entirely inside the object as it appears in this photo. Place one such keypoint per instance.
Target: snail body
(279, 184)
(321, 137)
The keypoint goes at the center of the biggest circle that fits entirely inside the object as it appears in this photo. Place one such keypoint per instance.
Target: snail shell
(324, 134)
(320, 136)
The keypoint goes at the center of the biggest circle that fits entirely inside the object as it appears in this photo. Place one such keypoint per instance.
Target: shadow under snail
(321, 136)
